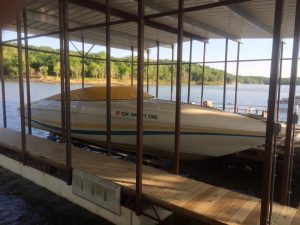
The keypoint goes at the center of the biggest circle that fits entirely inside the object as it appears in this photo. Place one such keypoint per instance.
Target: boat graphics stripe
(132, 132)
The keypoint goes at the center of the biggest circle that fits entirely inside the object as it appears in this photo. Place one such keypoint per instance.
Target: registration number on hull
(133, 114)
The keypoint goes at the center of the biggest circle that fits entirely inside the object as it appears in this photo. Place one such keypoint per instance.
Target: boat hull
(199, 136)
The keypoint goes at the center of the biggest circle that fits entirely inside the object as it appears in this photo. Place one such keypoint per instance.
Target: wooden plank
(233, 206)
(220, 205)
(243, 212)
(286, 216)
(206, 202)
(296, 219)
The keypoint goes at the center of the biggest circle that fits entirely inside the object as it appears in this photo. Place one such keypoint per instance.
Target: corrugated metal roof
(252, 19)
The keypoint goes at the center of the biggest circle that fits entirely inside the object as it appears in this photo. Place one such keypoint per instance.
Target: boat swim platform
(206, 203)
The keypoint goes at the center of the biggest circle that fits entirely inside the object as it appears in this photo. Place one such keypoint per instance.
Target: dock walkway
(210, 204)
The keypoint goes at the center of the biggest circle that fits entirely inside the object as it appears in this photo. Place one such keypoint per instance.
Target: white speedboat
(284, 102)
(204, 131)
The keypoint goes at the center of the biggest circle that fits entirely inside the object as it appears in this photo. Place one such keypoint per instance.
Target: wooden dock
(207, 203)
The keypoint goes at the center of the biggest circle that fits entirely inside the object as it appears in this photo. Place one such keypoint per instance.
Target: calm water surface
(25, 203)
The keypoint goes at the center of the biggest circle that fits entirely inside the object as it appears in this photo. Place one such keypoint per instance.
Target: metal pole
(178, 87)
(289, 150)
(279, 86)
(190, 71)
(132, 58)
(203, 73)
(2, 82)
(140, 107)
(157, 68)
(27, 72)
(270, 136)
(62, 72)
(172, 72)
(82, 61)
(225, 74)
(108, 79)
(67, 92)
(21, 87)
(237, 76)
(147, 70)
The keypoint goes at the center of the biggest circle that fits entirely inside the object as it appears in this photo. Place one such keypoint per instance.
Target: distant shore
(102, 81)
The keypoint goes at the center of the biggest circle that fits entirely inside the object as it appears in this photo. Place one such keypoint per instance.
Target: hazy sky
(215, 51)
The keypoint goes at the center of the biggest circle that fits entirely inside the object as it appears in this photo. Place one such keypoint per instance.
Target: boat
(205, 132)
(284, 102)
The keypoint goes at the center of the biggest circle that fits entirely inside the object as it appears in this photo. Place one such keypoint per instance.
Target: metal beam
(118, 13)
(269, 154)
(140, 108)
(190, 71)
(189, 20)
(21, 88)
(157, 69)
(2, 82)
(108, 79)
(132, 65)
(203, 73)
(196, 8)
(147, 71)
(225, 74)
(82, 62)
(289, 146)
(279, 85)
(237, 76)
(172, 73)
(178, 88)
(27, 72)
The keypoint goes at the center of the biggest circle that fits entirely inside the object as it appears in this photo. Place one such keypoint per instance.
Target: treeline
(47, 64)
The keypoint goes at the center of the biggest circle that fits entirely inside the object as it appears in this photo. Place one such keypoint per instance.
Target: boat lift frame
(142, 21)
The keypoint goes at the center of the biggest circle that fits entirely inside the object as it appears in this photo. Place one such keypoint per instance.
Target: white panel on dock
(97, 190)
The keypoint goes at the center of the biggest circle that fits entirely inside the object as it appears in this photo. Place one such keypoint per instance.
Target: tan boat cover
(99, 94)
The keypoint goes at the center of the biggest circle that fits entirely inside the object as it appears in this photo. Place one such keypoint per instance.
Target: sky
(215, 51)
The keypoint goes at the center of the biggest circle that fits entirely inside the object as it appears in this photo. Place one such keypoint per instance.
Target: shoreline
(102, 81)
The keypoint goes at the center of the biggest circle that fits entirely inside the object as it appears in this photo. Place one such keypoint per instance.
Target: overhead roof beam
(250, 18)
(118, 13)
(159, 7)
(53, 20)
(197, 8)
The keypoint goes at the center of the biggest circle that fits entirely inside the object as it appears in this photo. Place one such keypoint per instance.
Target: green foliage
(45, 64)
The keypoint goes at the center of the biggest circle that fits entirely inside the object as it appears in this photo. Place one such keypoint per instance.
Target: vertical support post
(289, 147)
(140, 107)
(67, 91)
(21, 87)
(237, 76)
(190, 71)
(270, 136)
(108, 79)
(225, 74)
(157, 69)
(82, 61)
(279, 85)
(2, 82)
(147, 70)
(172, 72)
(178, 88)
(203, 73)
(62, 71)
(132, 58)
(27, 72)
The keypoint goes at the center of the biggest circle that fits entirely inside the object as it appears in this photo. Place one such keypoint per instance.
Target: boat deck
(207, 203)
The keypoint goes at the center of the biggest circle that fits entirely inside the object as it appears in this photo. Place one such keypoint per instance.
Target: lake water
(248, 95)
(25, 203)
